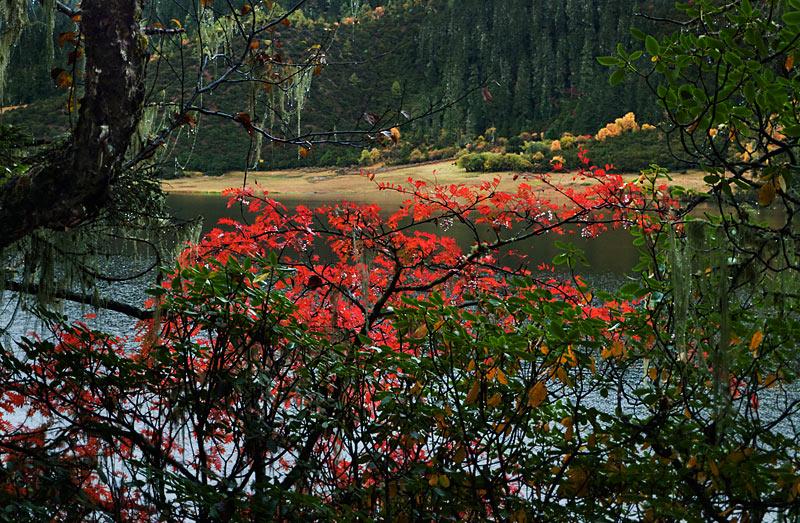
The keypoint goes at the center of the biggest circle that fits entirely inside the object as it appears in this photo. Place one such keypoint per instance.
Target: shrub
(417, 156)
(567, 140)
(532, 148)
(515, 145)
(525, 136)
(365, 158)
(491, 162)
(555, 145)
(472, 163)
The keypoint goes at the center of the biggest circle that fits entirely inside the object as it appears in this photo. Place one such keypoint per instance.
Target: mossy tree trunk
(70, 184)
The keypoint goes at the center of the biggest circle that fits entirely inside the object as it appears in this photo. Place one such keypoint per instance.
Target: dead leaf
(371, 118)
(537, 394)
(68, 36)
(789, 62)
(487, 95)
(314, 282)
(472, 395)
(244, 119)
(767, 193)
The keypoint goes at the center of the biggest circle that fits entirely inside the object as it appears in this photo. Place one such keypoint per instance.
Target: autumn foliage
(407, 376)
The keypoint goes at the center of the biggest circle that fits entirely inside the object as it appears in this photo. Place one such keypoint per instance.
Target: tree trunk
(70, 184)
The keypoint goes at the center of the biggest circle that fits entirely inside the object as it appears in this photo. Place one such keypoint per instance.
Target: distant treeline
(536, 59)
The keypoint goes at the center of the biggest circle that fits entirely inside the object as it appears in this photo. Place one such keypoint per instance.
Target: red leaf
(487, 96)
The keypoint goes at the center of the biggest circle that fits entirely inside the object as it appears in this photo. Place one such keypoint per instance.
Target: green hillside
(537, 64)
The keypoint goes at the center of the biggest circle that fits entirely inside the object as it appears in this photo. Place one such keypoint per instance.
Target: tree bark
(70, 184)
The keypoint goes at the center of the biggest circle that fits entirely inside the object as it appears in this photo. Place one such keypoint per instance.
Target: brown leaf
(184, 119)
(487, 95)
(789, 62)
(537, 394)
(253, 45)
(206, 3)
(371, 118)
(472, 395)
(68, 36)
(244, 119)
(303, 152)
(767, 193)
(245, 9)
(286, 22)
(314, 282)
(74, 56)
(61, 77)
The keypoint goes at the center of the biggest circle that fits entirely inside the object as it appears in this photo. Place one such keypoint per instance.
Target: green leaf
(749, 92)
(651, 44)
(791, 18)
(636, 33)
(617, 77)
(608, 60)
(621, 52)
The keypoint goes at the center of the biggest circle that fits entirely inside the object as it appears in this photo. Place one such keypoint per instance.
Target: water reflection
(612, 252)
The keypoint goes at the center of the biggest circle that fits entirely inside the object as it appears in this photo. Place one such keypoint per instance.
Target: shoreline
(321, 183)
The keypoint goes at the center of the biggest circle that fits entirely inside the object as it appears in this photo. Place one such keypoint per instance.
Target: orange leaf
(206, 3)
(537, 394)
(245, 9)
(286, 22)
(755, 341)
(63, 80)
(494, 401)
(789, 62)
(501, 377)
(253, 45)
(304, 154)
(67, 36)
(472, 395)
(767, 193)
(176, 23)
(395, 134)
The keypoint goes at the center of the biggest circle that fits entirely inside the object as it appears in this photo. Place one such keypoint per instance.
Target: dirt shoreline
(355, 184)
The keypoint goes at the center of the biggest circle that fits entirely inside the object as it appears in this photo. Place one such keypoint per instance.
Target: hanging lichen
(49, 9)
(13, 19)
(680, 276)
(298, 93)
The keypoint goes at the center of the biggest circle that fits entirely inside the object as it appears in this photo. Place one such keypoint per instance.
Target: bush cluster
(493, 162)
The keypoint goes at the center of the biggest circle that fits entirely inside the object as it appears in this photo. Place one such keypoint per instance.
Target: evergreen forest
(535, 60)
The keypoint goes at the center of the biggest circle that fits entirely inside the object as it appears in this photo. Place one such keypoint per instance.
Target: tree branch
(77, 297)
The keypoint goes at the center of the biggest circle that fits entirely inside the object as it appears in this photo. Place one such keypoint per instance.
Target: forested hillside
(537, 64)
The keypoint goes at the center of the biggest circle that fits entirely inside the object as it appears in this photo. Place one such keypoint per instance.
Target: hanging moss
(13, 19)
